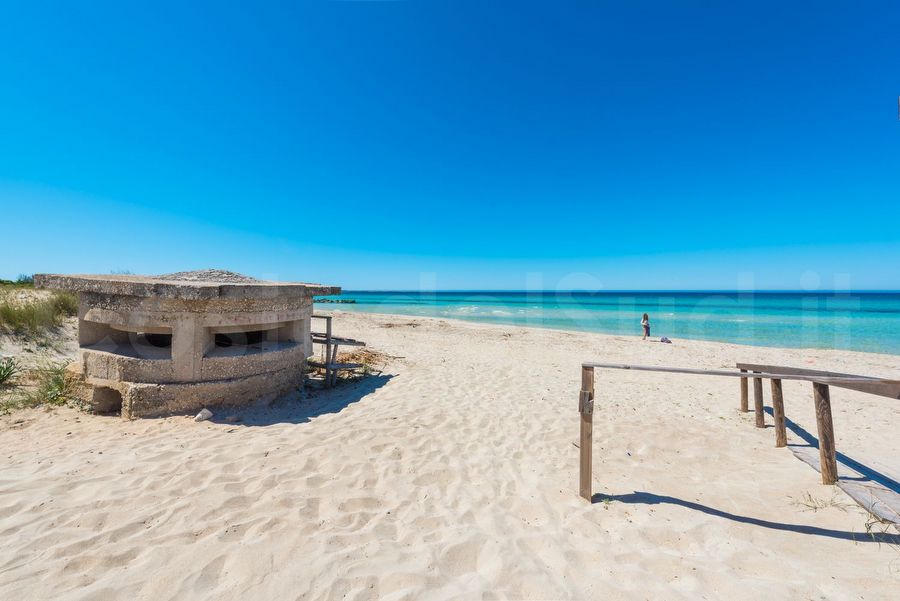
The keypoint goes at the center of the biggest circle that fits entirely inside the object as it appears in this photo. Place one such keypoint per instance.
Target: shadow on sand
(867, 472)
(646, 498)
(300, 408)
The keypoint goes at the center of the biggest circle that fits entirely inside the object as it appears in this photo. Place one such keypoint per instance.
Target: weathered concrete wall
(125, 323)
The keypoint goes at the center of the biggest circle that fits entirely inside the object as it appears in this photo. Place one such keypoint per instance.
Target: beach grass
(49, 385)
(35, 316)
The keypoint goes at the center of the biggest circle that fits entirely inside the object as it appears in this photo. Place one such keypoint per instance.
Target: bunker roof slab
(187, 285)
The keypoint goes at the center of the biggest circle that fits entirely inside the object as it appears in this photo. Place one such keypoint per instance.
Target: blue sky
(393, 145)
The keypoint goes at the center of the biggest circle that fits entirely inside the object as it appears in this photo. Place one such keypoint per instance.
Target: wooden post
(586, 411)
(333, 360)
(745, 406)
(778, 411)
(758, 403)
(328, 352)
(827, 453)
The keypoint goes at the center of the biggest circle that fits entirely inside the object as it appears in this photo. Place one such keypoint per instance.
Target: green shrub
(23, 281)
(54, 387)
(9, 367)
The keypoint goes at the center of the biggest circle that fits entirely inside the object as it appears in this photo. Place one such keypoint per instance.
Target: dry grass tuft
(35, 316)
(373, 363)
(811, 503)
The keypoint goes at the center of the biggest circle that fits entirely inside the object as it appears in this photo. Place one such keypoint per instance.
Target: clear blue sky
(388, 145)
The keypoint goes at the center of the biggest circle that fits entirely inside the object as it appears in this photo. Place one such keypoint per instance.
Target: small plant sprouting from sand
(9, 368)
(54, 385)
(50, 385)
(810, 503)
(877, 529)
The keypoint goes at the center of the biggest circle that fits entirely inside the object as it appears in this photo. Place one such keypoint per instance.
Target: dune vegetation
(32, 314)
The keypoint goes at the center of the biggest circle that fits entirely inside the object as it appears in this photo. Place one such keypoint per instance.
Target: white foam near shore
(453, 475)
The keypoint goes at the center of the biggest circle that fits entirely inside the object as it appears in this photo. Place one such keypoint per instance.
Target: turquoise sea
(867, 321)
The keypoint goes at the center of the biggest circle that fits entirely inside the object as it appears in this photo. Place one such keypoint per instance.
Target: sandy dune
(453, 476)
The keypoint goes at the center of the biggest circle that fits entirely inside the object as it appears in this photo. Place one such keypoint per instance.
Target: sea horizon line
(623, 291)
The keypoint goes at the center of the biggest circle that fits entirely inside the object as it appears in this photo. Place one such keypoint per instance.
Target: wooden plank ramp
(874, 497)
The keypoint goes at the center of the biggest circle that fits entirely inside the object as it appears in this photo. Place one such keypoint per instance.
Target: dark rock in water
(338, 301)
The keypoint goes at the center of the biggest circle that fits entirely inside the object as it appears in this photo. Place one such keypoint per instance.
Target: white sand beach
(453, 475)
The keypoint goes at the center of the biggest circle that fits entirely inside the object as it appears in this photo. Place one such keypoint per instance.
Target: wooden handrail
(868, 384)
(820, 380)
(330, 345)
(831, 380)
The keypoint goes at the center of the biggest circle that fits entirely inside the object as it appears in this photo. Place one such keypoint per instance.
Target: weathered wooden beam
(778, 412)
(321, 338)
(842, 381)
(827, 453)
(758, 403)
(745, 404)
(334, 366)
(334, 361)
(586, 412)
(868, 384)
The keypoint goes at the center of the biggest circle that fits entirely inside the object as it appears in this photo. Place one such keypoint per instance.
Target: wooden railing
(330, 345)
(821, 380)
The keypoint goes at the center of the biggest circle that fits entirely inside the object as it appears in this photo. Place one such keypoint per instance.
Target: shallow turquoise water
(856, 321)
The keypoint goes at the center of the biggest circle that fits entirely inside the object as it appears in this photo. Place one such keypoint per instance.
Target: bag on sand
(666, 340)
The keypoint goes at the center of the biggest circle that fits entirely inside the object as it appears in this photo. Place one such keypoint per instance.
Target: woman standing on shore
(645, 323)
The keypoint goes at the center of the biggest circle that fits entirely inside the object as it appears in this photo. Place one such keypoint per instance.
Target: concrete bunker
(156, 345)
